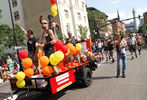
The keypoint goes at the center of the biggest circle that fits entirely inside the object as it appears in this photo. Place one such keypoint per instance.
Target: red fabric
(4, 65)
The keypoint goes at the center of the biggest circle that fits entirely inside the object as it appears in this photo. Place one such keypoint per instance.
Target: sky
(110, 7)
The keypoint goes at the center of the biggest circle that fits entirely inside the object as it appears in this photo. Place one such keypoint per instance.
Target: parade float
(43, 78)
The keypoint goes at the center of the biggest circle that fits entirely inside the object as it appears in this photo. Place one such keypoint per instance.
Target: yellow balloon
(59, 56)
(20, 84)
(54, 13)
(67, 52)
(78, 46)
(54, 8)
(20, 76)
(53, 60)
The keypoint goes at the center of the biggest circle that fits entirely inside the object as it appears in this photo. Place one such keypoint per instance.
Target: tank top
(48, 40)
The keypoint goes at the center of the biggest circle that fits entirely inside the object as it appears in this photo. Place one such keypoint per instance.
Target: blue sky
(124, 7)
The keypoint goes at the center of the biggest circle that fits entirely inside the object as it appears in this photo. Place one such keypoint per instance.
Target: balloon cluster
(20, 79)
(47, 70)
(60, 47)
(27, 63)
(54, 7)
(74, 50)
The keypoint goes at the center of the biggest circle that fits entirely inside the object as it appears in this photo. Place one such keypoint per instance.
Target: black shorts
(132, 48)
(106, 48)
(139, 44)
(111, 52)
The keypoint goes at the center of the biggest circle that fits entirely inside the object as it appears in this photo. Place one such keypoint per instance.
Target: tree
(143, 29)
(7, 37)
(83, 32)
(127, 32)
(61, 36)
(97, 21)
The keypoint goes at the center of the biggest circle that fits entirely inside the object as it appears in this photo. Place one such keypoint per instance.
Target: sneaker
(117, 76)
(123, 76)
(136, 55)
(132, 58)
(113, 61)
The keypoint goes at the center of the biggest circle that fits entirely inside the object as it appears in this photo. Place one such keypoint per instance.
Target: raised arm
(40, 19)
(19, 25)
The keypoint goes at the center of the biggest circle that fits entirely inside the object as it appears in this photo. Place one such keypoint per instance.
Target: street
(105, 86)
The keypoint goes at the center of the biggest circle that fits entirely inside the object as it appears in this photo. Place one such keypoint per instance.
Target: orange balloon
(44, 61)
(27, 63)
(47, 70)
(29, 72)
(72, 48)
(39, 53)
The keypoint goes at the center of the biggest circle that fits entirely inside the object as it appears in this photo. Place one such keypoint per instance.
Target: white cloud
(116, 1)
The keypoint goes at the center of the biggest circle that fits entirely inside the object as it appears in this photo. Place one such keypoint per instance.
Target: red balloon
(76, 52)
(58, 45)
(53, 1)
(64, 49)
(23, 54)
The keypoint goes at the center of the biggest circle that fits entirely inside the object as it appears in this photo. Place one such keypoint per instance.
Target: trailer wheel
(87, 77)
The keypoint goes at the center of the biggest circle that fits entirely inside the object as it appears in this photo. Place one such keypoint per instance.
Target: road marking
(101, 63)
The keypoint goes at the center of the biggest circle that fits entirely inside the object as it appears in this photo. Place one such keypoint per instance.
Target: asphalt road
(106, 87)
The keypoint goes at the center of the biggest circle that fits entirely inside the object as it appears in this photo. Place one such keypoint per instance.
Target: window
(68, 28)
(76, 3)
(79, 16)
(14, 3)
(83, 5)
(85, 19)
(66, 13)
(16, 15)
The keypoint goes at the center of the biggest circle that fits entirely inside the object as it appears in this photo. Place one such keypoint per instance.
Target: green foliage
(61, 36)
(19, 36)
(114, 33)
(83, 32)
(143, 29)
(97, 21)
(128, 32)
(7, 37)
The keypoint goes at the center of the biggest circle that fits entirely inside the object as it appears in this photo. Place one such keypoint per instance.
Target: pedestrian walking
(121, 45)
(106, 48)
(111, 48)
(132, 45)
(139, 43)
(99, 46)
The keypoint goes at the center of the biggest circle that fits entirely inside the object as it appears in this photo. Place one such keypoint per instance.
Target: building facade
(145, 17)
(130, 26)
(118, 26)
(17, 12)
(71, 14)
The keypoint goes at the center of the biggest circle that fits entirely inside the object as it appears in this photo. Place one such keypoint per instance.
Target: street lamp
(21, 69)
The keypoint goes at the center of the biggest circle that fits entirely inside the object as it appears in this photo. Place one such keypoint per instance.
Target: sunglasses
(44, 23)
